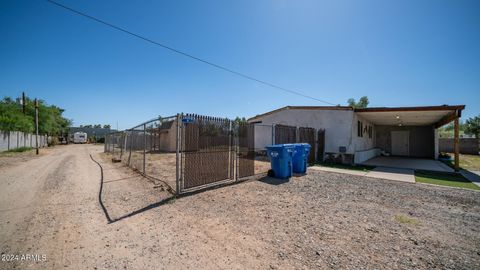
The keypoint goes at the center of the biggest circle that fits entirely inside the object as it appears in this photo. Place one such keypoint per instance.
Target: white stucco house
(362, 134)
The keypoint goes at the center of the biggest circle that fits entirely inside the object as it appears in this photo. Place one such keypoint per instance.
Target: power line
(186, 54)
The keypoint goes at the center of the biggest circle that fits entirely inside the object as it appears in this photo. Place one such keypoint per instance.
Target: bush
(53, 141)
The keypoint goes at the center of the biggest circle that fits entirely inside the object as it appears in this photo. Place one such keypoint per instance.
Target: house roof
(419, 115)
(258, 116)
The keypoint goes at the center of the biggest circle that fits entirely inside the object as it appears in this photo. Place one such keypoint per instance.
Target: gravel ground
(11, 158)
(321, 220)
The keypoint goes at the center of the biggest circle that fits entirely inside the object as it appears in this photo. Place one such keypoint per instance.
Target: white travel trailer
(80, 137)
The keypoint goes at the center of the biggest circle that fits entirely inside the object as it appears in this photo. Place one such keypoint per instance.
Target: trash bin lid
(288, 145)
(306, 145)
(274, 146)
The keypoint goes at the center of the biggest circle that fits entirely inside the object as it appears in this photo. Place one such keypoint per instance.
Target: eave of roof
(456, 109)
(412, 115)
(300, 108)
(412, 109)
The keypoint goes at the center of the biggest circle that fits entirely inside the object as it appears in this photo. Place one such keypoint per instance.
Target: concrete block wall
(10, 140)
(467, 145)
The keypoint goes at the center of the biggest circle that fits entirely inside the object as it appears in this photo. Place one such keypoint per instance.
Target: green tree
(472, 126)
(239, 120)
(97, 126)
(12, 117)
(107, 126)
(50, 119)
(362, 102)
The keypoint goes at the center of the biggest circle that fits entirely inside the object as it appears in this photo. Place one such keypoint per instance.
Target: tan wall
(168, 139)
(467, 145)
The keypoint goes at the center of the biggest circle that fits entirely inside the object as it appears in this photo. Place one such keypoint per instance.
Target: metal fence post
(144, 147)
(177, 162)
(236, 141)
(113, 145)
(130, 146)
(230, 137)
(121, 149)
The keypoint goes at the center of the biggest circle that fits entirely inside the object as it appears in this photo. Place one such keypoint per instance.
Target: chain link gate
(207, 151)
(246, 150)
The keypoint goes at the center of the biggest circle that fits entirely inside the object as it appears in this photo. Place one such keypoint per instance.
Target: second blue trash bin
(281, 159)
(300, 157)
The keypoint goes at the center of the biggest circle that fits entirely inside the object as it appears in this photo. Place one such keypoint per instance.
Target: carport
(409, 135)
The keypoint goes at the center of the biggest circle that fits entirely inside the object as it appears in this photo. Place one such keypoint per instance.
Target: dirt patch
(162, 166)
(325, 220)
(321, 220)
(8, 159)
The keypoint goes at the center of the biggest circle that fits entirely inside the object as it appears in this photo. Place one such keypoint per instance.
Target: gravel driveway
(49, 205)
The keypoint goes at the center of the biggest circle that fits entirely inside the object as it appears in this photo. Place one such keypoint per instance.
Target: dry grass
(468, 162)
(406, 220)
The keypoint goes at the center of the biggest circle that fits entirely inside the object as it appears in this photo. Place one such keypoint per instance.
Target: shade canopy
(411, 116)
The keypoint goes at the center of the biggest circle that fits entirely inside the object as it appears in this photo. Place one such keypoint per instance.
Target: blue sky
(398, 53)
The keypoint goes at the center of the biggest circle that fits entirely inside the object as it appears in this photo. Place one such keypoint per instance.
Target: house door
(400, 143)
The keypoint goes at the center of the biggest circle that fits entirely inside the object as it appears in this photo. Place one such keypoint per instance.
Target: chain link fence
(188, 152)
(149, 148)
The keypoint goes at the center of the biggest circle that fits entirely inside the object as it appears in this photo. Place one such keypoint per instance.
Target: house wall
(337, 124)
(365, 142)
(365, 145)
(421, 139)
(263, 135)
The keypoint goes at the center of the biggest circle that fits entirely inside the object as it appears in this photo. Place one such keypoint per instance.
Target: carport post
(456, 145)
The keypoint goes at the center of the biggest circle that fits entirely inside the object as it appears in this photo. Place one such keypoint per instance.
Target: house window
(359, 129)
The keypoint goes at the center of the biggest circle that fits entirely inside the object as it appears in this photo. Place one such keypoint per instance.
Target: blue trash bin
(300, 157)
(281, 159)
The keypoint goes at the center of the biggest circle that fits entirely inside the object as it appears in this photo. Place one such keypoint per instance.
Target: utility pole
(23, 102)
(36, 124)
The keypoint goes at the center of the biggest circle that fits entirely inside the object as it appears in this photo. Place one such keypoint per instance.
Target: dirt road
(49, 206)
